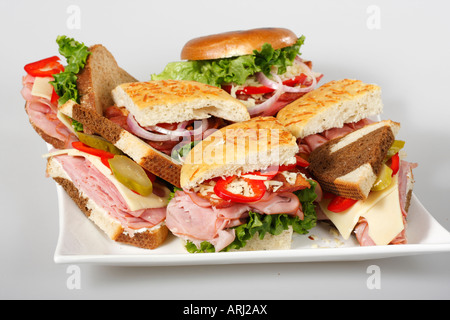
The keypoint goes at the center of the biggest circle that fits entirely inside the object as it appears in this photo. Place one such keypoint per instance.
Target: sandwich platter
(80, 242)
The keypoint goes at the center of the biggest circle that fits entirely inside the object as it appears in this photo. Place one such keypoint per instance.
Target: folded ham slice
(97, 187)
(191, 217)
(43, 115)
(309, 143)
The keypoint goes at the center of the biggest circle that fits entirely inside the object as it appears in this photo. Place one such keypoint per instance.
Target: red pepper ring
(45, 67)
(258, 187)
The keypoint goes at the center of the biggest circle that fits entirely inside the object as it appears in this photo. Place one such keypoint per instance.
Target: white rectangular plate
(80, 241)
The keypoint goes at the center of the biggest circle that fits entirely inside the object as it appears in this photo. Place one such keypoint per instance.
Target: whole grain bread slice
(348, 166)
(145, 155)
(100, 75)
(95, 81)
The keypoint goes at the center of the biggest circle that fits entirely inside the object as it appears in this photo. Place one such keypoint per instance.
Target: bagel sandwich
(261, 67)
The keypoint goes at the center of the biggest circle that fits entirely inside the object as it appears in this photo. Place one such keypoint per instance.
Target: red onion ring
(264, 80)
(166, 134)
(263, 107)
(141, 132)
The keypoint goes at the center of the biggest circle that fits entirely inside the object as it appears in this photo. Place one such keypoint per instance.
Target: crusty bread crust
(99, 76)
(151, 159)
(171, 101)
(331, 106)
(236, 43)
(149, 239)
(238, 148)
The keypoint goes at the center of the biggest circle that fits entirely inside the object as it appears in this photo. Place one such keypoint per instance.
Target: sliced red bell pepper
(339, 204)
(92, 151)
(105, 162)
(55, 97)
(395, 164)
(296, 80)
(45, 67)
(258, 187)
(301, 162)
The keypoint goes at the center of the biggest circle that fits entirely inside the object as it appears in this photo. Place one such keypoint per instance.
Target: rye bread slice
(348, 166)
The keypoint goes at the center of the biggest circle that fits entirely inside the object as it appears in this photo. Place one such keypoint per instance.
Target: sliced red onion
(266, 105)
(180, 131)
(261, 77)
(203, 127)
(141, 132)
(166, 134)
(309, 73)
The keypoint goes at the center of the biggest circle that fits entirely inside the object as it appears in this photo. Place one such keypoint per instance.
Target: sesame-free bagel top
(236, 43)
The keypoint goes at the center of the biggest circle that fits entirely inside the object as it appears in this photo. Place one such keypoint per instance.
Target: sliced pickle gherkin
(395, 148)
(384, 179)
(98, 142)
(131, 175)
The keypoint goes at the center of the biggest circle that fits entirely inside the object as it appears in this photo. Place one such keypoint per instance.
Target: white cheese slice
(381, 210)
(66, 121)
(134, 201)
(42, 88)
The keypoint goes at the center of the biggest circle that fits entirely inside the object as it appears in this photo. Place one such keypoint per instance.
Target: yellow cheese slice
(381, 210)
(134, 201)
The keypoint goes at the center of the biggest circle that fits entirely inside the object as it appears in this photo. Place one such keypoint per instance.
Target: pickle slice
(131, 175)
(395, 148)
(384, 179)
(98, 142)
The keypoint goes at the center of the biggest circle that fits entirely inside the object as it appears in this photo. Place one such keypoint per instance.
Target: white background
(407, 54)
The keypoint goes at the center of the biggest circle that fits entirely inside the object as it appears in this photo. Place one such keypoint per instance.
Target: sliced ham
(97, 187)
(42, 114)
(309, 143)
(193, 218)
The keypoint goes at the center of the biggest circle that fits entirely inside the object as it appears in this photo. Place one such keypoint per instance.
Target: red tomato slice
(339, 204)
(45, 67)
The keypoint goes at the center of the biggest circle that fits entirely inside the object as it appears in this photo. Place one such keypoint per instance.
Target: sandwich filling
(224, 213)
(95, 180)
(41, 107)
(341, 156)
(173, 139)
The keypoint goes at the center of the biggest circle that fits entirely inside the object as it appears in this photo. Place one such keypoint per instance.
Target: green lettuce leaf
(65, 83)
(273, 224)
(232, 70)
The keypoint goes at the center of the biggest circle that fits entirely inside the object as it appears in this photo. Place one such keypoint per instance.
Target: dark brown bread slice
(95, 81)
(100, 75)
(352, 169)
(151, 159)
